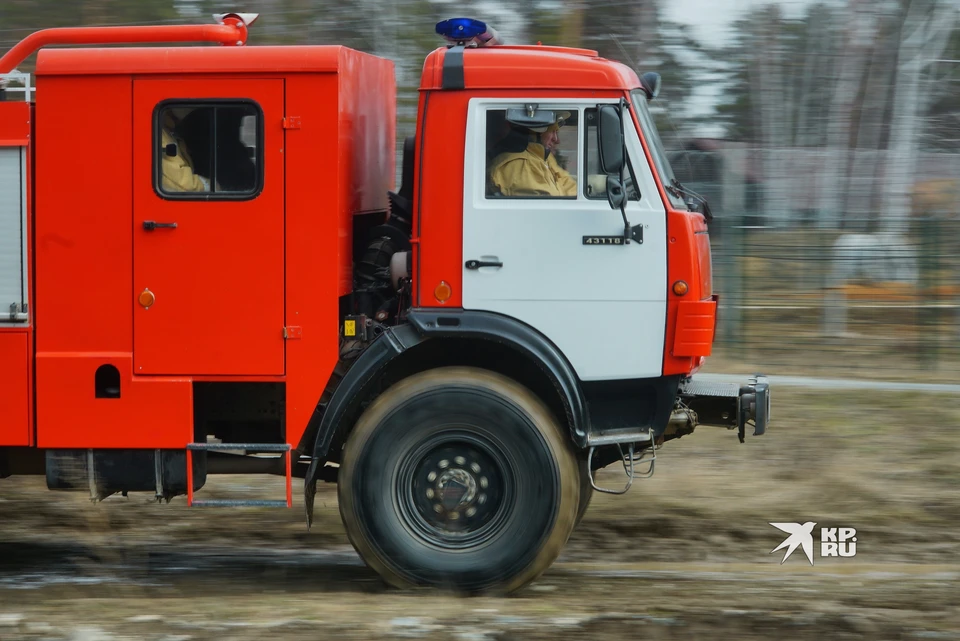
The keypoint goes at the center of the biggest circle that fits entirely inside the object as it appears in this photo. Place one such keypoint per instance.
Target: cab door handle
(150, 225)
(477, 264)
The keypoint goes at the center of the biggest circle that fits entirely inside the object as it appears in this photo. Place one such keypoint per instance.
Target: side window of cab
(595, 183)
(532, 160)
(208, 150)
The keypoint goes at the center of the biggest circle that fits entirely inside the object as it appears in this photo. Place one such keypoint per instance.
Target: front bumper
(729, 405)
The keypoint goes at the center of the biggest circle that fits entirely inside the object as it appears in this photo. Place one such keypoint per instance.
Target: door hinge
(292, 332)
(291, 122)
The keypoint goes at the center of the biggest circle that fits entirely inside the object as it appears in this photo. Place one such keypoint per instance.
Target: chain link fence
(803, 293)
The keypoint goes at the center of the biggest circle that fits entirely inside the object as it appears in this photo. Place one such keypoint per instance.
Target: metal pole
(232, 32)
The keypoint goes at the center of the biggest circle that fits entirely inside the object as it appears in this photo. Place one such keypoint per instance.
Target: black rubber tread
(586, 491)
(538, 530)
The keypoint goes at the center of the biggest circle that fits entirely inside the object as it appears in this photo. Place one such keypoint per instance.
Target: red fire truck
(204, 269)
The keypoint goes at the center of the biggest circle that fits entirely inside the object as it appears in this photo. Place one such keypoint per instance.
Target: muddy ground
(685, 554)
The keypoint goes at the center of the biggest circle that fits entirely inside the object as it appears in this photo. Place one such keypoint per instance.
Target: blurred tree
(856, 82)
(943, 121)
(777, 77)
(21, 17)
(927, 29)
(636, 34)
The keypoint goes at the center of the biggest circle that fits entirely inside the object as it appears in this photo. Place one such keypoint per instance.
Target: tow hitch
(728, 405)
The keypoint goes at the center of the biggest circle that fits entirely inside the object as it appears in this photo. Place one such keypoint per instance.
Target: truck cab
(208, 260)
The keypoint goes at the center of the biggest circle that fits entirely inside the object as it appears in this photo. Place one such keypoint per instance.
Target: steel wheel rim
(454, 490)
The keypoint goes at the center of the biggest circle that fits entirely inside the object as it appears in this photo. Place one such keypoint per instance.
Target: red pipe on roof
(233, 31)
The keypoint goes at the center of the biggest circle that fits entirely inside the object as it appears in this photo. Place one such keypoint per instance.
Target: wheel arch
(437, 338)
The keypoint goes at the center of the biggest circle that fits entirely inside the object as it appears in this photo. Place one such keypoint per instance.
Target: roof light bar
(468, 32)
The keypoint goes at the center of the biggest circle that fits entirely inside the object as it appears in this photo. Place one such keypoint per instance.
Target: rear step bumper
(729, 405)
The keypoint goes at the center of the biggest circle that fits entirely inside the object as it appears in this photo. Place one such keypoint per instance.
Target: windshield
(652, 137)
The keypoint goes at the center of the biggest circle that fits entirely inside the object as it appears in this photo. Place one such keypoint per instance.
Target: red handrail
(233, 31)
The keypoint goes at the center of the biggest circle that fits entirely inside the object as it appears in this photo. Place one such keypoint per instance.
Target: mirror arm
(623, 166)
(623, 203)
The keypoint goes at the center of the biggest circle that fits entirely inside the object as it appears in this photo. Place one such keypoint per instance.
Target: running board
(246, 447)
(625, 436)
(238, 503)
(622, 436)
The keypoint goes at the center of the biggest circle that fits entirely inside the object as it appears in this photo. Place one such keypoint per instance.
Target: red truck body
(152, 326)
(232, 275)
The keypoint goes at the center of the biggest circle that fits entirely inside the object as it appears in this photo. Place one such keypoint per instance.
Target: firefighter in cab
(526, 164)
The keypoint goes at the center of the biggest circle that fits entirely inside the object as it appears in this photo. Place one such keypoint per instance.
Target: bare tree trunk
(860, 32)
(926, 31)
(874, 107)
(815, 42)
(571, 29)
(767, 89)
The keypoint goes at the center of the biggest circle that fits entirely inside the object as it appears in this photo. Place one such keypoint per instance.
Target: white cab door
(602, 305)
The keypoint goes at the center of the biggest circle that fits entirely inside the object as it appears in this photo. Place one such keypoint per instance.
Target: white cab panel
(604, 306)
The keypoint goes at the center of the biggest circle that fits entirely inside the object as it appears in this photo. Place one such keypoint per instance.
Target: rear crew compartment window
(208, 150)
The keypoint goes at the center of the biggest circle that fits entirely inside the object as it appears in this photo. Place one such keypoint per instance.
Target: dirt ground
(685, 554)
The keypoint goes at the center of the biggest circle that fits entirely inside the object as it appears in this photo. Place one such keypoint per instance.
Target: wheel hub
(457, 490)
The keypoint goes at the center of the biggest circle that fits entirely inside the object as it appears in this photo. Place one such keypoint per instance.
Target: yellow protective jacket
(531, 172)
(177, 170)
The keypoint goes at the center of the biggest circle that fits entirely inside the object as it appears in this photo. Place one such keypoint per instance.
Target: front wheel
(586, 491)
(458, 478)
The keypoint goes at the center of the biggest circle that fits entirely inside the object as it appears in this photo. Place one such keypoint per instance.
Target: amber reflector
(443, 291)
(147, 298)
(680, 288)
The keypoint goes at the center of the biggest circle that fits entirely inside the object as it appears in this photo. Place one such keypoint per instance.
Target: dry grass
(886, 462)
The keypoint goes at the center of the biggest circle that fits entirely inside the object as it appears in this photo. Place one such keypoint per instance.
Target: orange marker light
(443, 292)
(147, 298)
(680, 288)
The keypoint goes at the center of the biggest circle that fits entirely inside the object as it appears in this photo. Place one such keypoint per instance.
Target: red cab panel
(77, 407)
(14, 124)
(14, 388)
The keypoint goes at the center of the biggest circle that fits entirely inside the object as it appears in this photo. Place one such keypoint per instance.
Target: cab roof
(496, 67)
(529, 67)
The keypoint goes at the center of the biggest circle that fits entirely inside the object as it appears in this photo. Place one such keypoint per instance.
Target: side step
(619, 436)
(625, 436)
(247, 447)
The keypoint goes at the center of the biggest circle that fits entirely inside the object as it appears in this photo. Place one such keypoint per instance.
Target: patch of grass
(827, 458)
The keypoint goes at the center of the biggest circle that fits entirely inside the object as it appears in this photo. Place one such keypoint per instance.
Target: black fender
(424, 325)
(523, 339)
(390, 344)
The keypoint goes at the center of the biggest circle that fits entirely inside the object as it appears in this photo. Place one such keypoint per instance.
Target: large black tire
(586, 491)
(459, 479)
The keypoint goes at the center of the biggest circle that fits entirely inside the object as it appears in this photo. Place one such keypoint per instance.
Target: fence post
(733, 287)
(929, 270)
(834, 311)
(832, 284)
